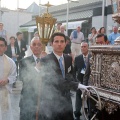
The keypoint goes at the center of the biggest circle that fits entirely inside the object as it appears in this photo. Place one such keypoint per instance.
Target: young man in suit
(30, 78)
(21, 44)
(79, 71)
(58, 81)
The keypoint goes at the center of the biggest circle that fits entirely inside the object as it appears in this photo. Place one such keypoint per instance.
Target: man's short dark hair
(18, 33)
(102, 35)
(2, 39)
(57, 34)
(59, 23)
(12, 37)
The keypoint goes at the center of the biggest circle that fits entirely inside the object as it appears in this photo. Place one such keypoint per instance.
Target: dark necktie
(38, 60)
(85, 60)
(62, 67)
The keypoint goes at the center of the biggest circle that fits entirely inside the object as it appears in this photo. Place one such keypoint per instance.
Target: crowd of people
(48, 79)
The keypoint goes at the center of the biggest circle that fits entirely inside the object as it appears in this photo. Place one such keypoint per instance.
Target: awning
(76, 16)
(62, 18)
(28, 29)
(73, 25)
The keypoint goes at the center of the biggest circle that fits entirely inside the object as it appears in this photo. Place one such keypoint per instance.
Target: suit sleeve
(25, 45)
(70, 81)
(75, 69)
(21, 69)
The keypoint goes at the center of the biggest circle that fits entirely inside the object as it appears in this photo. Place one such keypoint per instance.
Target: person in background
(67, 49)
(80, 64)
(13, 51)
(36, 34)
(62, 30)
(21, 44)
(113, 35)
(76, 38)
(119, 30)
(91, 37)
(100, 39)
(102, 30)
(58, 27)
(3, 32)
(48, 48)
(7, 78)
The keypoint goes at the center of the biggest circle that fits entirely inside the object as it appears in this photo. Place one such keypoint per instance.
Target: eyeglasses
(2, 45)
(38, 44)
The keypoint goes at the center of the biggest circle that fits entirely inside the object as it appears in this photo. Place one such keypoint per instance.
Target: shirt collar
(57, 56)
(85, 56)
(35, 58)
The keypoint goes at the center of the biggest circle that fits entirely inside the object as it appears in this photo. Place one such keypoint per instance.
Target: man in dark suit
(58, 81)
(79, 71)
(100, 39)
(30, 78)
(21, 44)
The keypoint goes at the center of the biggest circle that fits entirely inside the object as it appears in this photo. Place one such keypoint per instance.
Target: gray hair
(83, 43)
(34, 38)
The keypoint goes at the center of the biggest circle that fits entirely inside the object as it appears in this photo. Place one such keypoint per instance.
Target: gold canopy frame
(45, 25)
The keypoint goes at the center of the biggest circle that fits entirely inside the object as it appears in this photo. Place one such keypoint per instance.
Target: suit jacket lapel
(53, 57)
(65, 63)
(32, 61)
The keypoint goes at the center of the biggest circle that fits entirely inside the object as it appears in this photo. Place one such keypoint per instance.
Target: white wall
(11, 22)
(108, 2)
(97, 22)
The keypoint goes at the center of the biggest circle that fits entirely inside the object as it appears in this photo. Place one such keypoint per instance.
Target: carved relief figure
(114, 71)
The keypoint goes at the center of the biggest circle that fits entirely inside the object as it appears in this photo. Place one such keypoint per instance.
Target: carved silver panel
(105, 73)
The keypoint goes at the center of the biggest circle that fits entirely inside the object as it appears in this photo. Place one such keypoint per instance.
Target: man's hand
(3, 82)
(82, 87)
(23, 49)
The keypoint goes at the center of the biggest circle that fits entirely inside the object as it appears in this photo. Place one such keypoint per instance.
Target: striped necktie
(62, 67)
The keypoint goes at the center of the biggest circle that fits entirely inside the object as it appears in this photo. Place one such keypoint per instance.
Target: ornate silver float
(105, 78)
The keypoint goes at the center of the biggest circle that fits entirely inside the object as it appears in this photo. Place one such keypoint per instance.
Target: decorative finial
(47, 5)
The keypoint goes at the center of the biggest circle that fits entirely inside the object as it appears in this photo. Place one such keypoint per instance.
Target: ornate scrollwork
(110, 72)
(110, 107)
(105, 74)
